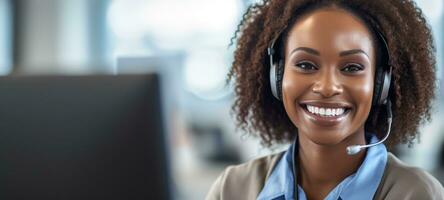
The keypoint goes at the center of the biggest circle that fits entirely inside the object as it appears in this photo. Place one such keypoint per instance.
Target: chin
(326, 137)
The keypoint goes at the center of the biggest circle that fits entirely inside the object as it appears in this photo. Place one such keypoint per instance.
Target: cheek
(293, 88)
(362, 95)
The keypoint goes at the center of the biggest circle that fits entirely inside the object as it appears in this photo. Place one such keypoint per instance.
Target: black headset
(382, 77)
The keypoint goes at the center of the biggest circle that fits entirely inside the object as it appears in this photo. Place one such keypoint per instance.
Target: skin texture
(330, 58)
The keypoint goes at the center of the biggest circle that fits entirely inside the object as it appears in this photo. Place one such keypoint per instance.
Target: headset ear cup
(382, 85)
(273, 80)
(385, 86)
(279, 77)
(379, 78)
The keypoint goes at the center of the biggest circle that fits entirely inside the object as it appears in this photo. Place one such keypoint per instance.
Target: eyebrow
(353, 51)
(342, 53)
(306, 49)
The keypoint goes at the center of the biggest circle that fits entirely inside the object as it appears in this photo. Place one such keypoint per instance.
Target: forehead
(330, 29)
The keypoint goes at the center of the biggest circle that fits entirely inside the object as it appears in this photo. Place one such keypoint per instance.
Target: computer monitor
(82, 137)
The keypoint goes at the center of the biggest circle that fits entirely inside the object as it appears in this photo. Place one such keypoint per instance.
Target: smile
(326, 116)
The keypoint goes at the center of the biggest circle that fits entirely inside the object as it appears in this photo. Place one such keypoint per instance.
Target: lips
(326, 114)
(327, 104)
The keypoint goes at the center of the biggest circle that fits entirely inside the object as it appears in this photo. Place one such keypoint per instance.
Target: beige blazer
(400, 181)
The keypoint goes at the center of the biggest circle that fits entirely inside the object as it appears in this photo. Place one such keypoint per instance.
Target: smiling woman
(330, 66)
(323, 75)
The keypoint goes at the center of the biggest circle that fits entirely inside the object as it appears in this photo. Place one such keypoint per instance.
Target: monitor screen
(82, 137)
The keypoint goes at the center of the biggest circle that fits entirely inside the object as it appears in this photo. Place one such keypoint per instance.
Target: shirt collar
(360, 185)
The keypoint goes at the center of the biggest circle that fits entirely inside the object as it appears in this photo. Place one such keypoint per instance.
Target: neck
(322, 167)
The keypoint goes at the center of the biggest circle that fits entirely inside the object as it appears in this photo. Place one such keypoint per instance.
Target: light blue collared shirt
(360, 185)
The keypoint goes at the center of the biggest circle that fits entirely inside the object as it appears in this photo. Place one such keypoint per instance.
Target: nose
(327, 84)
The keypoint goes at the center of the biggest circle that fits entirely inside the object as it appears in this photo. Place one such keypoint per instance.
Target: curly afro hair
(411, 52)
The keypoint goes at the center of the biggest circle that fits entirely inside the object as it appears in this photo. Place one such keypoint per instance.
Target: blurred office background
(186, 41)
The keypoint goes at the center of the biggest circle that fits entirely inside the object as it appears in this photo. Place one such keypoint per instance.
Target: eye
(306, 66)
(352, 68)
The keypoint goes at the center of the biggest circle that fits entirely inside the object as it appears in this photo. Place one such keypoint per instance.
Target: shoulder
(401, 181)
(243, 181)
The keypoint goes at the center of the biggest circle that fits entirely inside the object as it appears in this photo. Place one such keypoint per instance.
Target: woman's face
(327, 86)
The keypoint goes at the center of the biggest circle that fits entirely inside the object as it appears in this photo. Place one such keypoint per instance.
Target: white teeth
(339, 111)
(325, 111)
(310, 108)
